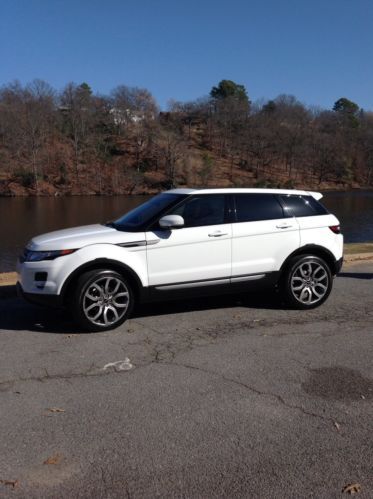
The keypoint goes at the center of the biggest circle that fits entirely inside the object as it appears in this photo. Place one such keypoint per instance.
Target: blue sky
(317, 50)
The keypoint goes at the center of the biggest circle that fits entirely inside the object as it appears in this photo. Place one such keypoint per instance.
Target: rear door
(198, 253)
(261, 237)
(314, 221)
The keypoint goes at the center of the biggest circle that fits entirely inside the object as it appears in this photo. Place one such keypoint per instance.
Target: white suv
(186, 242)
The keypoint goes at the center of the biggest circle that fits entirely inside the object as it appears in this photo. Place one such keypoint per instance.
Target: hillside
(80, 143)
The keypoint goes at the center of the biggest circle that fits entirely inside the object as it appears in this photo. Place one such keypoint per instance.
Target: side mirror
(171, 222)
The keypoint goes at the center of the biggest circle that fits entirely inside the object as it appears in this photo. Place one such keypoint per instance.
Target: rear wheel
(307, 282)
(103, 300)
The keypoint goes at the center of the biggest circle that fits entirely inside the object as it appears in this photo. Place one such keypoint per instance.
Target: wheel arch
(314, 250)
(107, 264)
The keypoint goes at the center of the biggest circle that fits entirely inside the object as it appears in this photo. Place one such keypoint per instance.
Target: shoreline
(353, 252)
(152, 191)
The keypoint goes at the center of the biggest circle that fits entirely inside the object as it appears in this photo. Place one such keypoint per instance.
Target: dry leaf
(337, 425)
(55, 409)
(53, 459)
(352, 488)
(11, 483)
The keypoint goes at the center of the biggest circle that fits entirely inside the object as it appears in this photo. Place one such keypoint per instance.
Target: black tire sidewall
(286, 281)
(76, 303)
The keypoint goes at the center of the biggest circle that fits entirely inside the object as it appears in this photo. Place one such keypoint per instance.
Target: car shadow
(357, 275)
(18, 315)
(268, 300)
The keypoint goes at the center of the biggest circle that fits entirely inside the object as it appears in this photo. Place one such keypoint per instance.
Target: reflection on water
(23, 218)
(355, 213)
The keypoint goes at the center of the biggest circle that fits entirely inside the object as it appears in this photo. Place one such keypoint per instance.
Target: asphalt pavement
(234, 396)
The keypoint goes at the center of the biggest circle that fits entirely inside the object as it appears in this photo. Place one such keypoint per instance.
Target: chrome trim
(134, 244)
(195, 284)
(247, 278)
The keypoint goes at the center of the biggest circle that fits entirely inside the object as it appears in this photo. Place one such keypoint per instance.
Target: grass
(8, 279)
(355, 248)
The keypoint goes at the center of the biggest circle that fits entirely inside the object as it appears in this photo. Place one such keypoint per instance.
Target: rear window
(302, 206)
(254, 207)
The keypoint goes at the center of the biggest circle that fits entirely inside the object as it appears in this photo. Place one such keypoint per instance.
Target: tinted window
(253, 207)
(202, 210)
(302, 206)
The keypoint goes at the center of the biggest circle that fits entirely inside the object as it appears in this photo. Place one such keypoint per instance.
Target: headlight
(38, 256)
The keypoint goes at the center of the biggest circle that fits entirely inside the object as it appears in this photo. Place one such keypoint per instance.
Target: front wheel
(307, 282)
(103, 300)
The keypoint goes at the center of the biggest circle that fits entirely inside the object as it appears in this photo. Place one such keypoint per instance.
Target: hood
(78, 237)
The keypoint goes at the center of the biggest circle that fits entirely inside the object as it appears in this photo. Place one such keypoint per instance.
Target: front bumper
(39, 299)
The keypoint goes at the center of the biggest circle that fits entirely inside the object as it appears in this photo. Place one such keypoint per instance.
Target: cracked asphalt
(217, 397)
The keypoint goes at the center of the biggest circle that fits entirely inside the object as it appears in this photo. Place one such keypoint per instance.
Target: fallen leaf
(11, 483)
(351, 488)
(55, 409)
(53, 459)
(337, 425)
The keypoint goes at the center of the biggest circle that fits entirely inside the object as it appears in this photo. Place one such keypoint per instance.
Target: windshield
(145, 214)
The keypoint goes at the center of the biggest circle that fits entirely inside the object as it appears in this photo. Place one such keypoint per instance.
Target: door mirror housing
(171, 222)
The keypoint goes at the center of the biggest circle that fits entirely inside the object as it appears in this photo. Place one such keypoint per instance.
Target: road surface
(219, 397)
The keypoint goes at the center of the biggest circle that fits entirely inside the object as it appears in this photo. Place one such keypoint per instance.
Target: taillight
(335, 228)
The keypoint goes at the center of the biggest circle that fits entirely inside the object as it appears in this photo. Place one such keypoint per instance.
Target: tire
(102, 300)
(307, 282)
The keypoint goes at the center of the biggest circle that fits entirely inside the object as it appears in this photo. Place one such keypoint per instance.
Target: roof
(239, 190)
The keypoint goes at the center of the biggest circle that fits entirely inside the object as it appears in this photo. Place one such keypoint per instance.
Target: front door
(198, 253)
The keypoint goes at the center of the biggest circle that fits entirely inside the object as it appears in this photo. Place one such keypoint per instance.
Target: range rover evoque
(187, 242)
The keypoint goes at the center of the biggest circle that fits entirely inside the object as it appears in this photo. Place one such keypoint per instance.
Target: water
(23, 218)
(355, 212)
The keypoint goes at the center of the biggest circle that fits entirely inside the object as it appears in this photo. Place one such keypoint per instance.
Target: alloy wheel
(309, 282)
(105, 301)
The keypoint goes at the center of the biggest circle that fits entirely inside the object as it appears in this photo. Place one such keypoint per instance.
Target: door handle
(284, 226)
(218, 234)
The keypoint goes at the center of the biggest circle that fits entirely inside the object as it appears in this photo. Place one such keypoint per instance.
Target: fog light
(41, 276)
(41, 279)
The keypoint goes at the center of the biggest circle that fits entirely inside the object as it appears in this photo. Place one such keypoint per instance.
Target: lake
(22, 218)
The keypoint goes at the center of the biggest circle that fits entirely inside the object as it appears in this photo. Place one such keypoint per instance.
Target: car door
(198, 253)
(313, 219)
(261, 237)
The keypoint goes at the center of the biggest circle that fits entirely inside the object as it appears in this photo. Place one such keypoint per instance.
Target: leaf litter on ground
(10, 483)
(351, 488)
(55, 409)
(55, 459)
